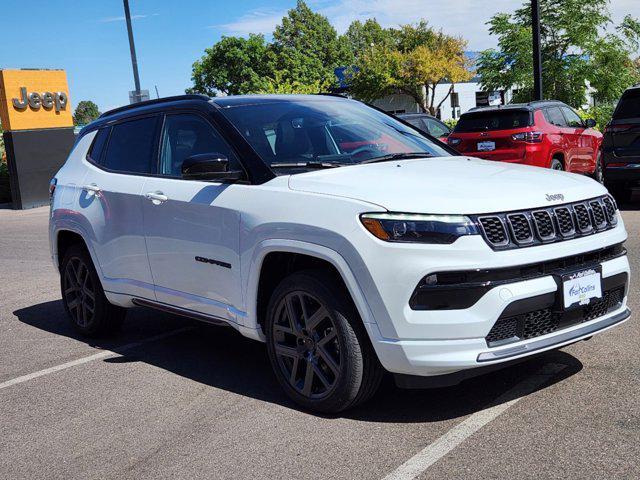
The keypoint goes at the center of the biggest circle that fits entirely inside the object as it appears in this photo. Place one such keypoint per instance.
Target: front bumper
(449, 341)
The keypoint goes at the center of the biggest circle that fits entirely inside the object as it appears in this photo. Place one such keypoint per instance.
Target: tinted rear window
(131, 146)
(99, 142)
(493, 120)
(629, 106)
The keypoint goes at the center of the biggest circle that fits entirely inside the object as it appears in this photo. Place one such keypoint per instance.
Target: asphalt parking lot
(169, 398)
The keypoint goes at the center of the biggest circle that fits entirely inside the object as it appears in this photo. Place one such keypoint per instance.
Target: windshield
(493, 120)
(304, 133)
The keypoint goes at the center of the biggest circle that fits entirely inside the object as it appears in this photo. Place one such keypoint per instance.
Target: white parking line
(90, 358)
(429, 455)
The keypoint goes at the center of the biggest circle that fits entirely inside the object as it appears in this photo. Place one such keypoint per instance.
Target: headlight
(404, 227)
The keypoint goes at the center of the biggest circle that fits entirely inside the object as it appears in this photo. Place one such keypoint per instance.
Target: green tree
(86, 112)
(234, 66)
(416, 61)
(575, 52)
(308, 48)
(362, 37)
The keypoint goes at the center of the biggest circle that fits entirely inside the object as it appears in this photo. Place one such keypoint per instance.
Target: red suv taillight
(52, 187)
(617, 128)
(528, 137)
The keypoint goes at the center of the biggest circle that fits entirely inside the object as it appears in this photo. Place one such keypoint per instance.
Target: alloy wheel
(306, 345)
(79, 292)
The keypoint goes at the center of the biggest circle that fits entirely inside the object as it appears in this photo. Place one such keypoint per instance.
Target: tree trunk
(446, 96)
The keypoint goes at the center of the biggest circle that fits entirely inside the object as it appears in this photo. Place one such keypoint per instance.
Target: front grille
(544, 225)
(494, 230)
(543, 321)
(508, 230)
(599, 217)
(583, 219)
(610, 209)
(520, 227)
(566, 225)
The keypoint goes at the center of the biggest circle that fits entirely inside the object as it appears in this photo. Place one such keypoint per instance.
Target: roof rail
(154, 102)
(535, 102)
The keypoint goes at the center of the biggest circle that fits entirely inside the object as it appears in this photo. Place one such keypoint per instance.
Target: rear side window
(436, 128)
(629, 106)
(131, 146)
(97, 147)
(493, 120)
(554, 117)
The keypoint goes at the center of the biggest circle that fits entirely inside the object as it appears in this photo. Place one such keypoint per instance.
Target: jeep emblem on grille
(555, 196)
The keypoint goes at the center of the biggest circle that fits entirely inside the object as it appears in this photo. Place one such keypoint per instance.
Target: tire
(323, 360)
(83, 298)
(556, 164)
(598, 173)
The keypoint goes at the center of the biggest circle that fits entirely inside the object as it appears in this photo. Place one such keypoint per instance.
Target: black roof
(157, 101)
(530, 106)
(160, 104)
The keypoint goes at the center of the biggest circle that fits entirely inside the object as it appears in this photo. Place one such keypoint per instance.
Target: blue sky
(89, 40)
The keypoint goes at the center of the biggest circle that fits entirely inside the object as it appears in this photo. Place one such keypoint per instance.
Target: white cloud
(466, 18)
(122, 18)
(262, 20)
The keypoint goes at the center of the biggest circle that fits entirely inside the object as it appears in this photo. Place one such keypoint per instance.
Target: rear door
(192, 237)
(580, 142)
(122, 157)
(624, 129)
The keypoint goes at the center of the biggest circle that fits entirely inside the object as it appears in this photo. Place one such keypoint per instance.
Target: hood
(449, 185)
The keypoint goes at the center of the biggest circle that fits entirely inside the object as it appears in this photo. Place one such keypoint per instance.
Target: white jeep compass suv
(342, 237)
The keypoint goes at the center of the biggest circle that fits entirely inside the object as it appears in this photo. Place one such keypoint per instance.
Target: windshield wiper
(398, 156)
(318, 165)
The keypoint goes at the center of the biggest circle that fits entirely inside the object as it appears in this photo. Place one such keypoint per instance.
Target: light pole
(537, 55)
(132, 47)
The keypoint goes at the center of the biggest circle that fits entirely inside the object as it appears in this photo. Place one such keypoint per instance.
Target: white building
(465, 96)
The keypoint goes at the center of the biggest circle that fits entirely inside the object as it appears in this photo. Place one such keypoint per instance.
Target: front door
(192, 235)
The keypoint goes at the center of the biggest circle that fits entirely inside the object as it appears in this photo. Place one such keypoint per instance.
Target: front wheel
(317, 345)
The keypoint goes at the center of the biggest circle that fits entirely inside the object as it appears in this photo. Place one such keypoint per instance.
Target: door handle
(156, 197)
(91, 189)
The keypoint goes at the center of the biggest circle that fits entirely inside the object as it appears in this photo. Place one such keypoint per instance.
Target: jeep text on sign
(34, 99)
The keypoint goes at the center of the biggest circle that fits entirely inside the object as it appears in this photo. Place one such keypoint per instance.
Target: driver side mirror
(589, 123)
(208, 166)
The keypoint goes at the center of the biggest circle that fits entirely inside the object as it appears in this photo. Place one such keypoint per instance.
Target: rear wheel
(317, 346)
(83, 297)
(556, 164)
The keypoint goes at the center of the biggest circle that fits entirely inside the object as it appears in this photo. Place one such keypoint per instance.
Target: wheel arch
(276, 259)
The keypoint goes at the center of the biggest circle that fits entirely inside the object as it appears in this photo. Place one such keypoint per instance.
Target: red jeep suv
(543, 133)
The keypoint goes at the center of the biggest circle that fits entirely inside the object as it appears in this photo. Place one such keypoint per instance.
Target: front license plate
(486, 146)
(580, 287)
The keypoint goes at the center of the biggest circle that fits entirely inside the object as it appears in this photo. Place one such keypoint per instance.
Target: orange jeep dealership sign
(34, 99)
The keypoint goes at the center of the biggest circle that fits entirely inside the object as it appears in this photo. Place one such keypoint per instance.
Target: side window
(554, 117)
(131, 146)
(187, 134)
(97, 147)
(573, 119)
(436, 128)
